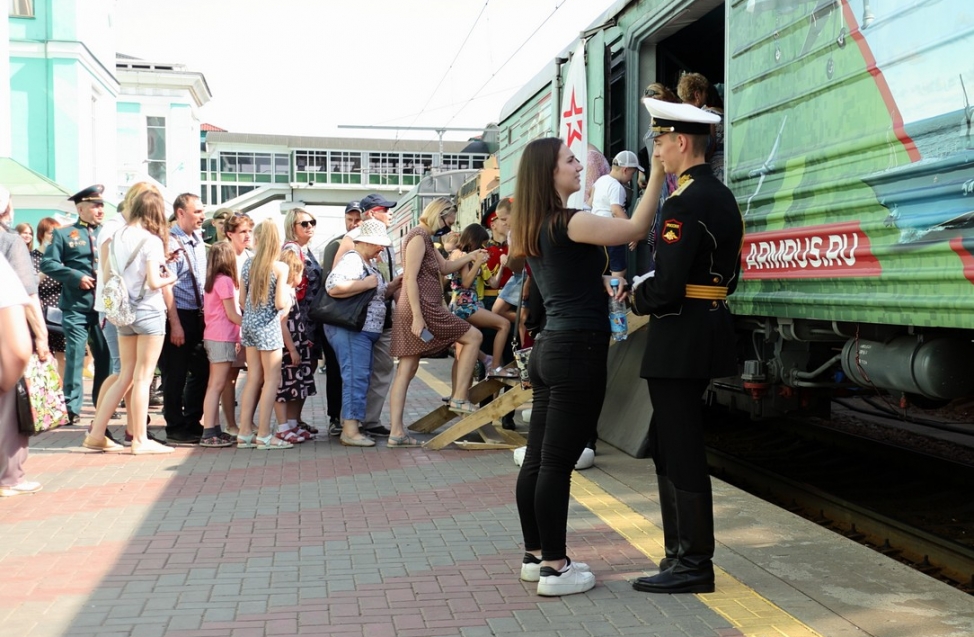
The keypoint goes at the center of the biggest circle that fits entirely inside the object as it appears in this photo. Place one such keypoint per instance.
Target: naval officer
(690, 339)
(72, 260)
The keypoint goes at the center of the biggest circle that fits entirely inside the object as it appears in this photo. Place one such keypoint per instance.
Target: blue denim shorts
(149, 322)
(511, 292)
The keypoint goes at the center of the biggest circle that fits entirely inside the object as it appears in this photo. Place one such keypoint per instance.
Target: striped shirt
(191, 246)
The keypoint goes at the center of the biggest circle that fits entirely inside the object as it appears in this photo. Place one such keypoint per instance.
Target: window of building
(156, 156)
(22, 8)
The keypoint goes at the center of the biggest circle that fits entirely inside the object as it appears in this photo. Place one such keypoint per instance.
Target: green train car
(849, 146)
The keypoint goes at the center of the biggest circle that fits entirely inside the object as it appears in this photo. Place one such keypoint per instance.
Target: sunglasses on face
(650, 93)
(305, 224)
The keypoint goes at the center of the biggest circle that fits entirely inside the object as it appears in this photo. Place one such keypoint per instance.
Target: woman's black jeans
(568, 376)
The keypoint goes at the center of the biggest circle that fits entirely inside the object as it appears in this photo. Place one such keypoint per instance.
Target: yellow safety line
(736, 602)
(434, 383)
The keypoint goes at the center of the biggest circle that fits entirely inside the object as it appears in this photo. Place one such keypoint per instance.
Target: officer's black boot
(667, 507)
(694, 569)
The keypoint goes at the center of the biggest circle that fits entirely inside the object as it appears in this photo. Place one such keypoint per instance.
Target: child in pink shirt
(221, 336)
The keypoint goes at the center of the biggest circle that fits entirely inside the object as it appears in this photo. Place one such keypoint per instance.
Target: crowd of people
(211, 297)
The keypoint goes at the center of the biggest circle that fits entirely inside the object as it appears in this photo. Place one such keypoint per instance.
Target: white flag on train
(574, 116)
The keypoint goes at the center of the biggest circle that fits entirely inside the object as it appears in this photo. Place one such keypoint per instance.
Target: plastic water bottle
(617, 314)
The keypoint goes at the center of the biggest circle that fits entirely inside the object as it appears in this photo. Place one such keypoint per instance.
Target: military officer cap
(678, 118)
(91, 194)
(489, 215)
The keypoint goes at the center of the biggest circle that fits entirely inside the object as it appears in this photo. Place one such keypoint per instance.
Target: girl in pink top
(221, 335)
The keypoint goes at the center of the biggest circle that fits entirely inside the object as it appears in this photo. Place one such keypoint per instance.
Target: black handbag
(53, 318)
(348, 312)
(25, 414)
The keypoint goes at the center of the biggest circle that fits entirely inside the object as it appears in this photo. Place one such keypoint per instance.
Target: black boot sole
(673, 590)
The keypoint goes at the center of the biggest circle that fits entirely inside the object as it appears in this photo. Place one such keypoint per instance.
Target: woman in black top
(566, 253)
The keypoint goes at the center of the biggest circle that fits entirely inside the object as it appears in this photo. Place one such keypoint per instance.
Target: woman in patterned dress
(297, 372)
(299, 230)
(420, 308)
(265, 298)
(48, 289)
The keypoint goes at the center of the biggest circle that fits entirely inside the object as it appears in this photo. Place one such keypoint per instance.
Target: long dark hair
(220, 260)
(535, 196)
(472, 238)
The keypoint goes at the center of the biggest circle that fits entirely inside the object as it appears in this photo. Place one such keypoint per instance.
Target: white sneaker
(531, 568)
(572, 580)
(519, 457)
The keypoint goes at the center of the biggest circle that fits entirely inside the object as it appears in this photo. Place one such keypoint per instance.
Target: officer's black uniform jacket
(699, 244)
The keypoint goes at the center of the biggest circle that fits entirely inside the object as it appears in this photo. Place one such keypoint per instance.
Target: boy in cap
(690, 339)
(609, 200)
(72, 260)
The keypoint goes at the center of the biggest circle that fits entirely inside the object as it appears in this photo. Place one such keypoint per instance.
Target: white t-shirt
(12, 292)
(607, 191)
(120, 249)
(108, 229)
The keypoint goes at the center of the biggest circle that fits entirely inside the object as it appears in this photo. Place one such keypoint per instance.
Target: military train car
(849, 147)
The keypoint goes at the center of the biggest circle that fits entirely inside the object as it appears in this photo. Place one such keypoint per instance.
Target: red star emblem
(574, 117)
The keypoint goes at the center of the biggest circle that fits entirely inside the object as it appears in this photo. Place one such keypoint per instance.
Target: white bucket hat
(372, 231)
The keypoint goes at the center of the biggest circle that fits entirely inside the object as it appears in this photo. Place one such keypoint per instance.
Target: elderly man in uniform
(72, 260)
(690, 339)
(185, 368)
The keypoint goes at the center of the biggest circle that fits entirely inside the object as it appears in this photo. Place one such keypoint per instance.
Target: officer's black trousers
(568, 375)
(676, 432)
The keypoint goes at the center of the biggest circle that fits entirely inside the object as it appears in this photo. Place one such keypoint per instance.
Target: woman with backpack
(137, 254)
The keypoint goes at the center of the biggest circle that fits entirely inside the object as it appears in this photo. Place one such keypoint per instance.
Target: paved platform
(331, 540)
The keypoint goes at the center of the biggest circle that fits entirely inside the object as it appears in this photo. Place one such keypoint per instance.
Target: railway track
(907, 505)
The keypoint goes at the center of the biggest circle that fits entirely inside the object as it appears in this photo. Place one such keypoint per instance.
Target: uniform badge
(672, 230)
(74, 234)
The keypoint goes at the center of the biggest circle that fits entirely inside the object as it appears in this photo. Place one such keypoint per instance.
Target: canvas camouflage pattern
(851, 152)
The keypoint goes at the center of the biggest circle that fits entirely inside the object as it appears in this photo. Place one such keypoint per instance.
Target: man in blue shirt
(185, 368)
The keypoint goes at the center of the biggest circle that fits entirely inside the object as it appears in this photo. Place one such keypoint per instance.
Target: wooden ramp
(483, 419)
(623, 391)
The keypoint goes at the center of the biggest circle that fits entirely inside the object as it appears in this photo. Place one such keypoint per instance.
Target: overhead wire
(448, 69)
(511, 57)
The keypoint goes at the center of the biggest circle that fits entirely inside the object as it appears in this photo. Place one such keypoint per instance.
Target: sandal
(289, 436)
(215, 441)
(404, 441)
(462, 406)
(309, 428)
(270, 442)
(246, 442)
(358, 441)
(303, 434)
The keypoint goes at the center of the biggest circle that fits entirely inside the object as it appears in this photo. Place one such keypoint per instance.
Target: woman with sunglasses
(298, 377)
